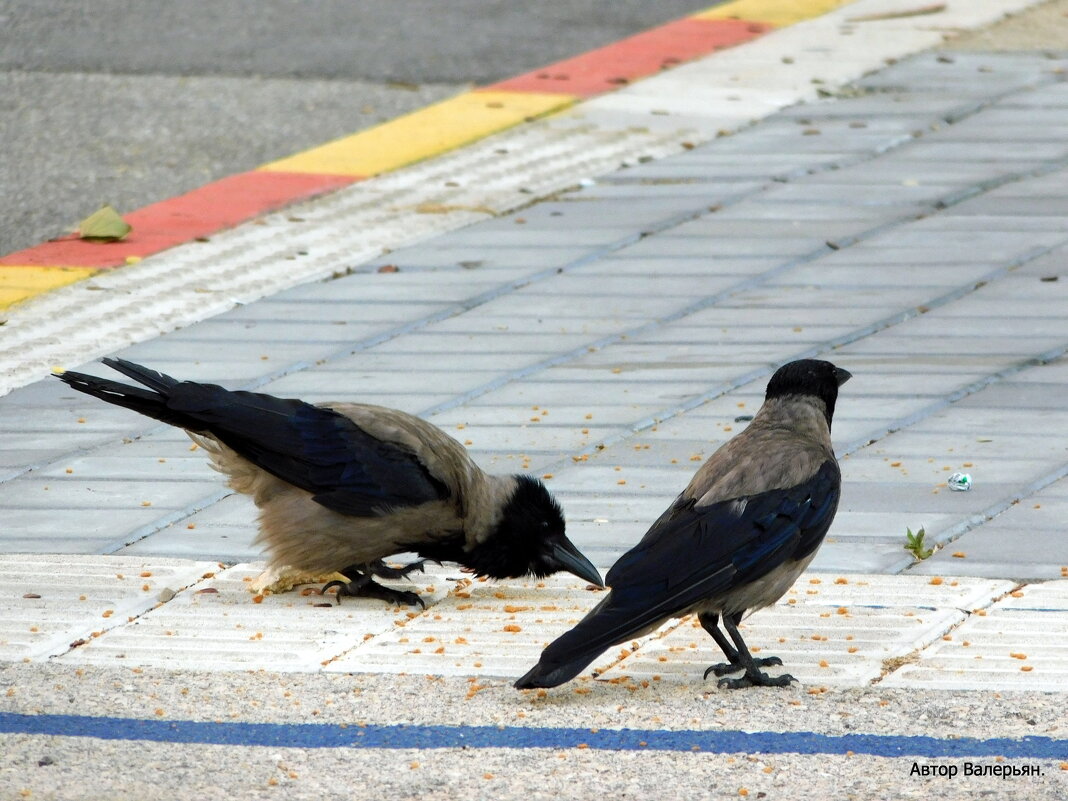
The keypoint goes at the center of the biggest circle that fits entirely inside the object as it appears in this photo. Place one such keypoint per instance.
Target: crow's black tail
(567, 655)
(151, 402)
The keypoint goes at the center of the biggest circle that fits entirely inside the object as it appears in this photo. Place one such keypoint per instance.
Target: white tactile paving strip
(830, 630)
(481, 629)
(221, 625)
(1021, 643)
(53, 604)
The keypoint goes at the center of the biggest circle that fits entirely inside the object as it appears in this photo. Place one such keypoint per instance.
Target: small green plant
(915, 544)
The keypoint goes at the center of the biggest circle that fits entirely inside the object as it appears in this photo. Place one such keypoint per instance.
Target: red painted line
(202, 212)
(647, 53)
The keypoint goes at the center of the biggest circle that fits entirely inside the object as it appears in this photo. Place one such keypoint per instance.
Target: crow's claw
(382, 570)
(756, 679)
(365, 588)
(726, 668)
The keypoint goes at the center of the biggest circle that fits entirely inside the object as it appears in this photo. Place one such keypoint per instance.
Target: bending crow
(342, 486)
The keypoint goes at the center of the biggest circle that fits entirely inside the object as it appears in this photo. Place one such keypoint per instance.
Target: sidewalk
(910, 226)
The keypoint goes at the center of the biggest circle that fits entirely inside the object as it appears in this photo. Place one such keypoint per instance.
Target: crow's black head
(809, 377)
(529, 539)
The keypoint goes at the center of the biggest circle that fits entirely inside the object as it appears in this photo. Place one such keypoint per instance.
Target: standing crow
(341, 486)
(735, 539)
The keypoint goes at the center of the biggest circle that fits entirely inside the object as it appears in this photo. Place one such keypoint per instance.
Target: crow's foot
(756, 679)
(725, 668)
(364, 587)
(382, 570)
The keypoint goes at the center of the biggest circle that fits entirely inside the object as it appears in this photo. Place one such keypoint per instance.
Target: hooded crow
(734, 541)
(341, 486)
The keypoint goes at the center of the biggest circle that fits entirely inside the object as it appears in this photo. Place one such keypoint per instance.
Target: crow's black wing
(319, 450)
(698, 552)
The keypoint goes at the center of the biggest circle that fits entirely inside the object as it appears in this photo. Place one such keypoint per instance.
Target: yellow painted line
(774, 12)
(19, 283)
(424, 133)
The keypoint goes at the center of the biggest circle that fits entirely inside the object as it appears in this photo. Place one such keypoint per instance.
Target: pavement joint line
(428, 737)
(167, 520)
(916, 654)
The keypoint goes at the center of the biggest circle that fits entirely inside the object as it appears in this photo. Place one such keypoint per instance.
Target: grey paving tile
(259, 357)
(227, 543)
(898, 168)
(480, 261)
(671, 245)
(996, 152)
(815, 210)
(519, 237)
(74, 492)
(417, 359)
(287, 334)
(582, 210)
(114, 464)
(1020, 395)
(1009, 348)
(447, 286)
(353, 384)
(783, 293)
(710, 191)
(55, 442)
(427, 341)
(324, 312)
(844, 271)
(845, 556)
(49, 530)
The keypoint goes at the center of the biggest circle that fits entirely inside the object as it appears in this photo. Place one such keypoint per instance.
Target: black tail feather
(160, 382)
(145, 401)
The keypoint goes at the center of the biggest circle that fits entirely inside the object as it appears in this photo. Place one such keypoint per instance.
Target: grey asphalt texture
(129, 103)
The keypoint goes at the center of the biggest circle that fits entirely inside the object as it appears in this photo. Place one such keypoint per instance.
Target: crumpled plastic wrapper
(960, 482)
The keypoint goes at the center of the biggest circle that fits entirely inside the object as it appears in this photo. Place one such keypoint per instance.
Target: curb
(411, 138)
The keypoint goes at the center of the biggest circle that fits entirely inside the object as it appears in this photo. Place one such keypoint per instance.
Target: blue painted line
(320, 735)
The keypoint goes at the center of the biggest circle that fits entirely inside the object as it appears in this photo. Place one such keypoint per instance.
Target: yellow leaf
(104, 225)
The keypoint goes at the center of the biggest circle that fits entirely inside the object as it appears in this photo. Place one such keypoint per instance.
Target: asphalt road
(127, 102)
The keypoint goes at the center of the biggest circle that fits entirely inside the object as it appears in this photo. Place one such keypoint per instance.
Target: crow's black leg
(364, 587)
(753, 677)
(382, 570)
(733, 664)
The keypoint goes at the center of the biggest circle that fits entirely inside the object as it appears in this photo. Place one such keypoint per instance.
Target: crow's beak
(842, 375)
(569, 558)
